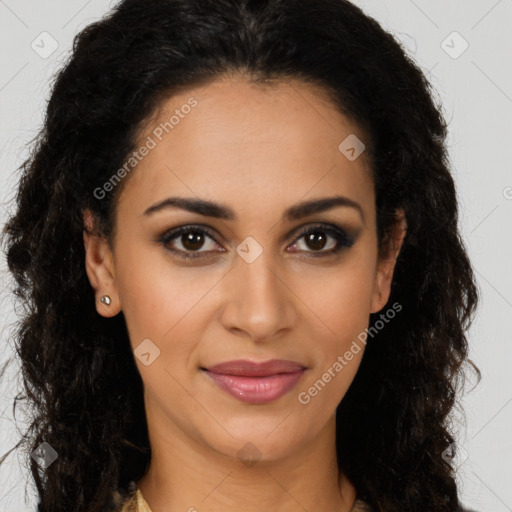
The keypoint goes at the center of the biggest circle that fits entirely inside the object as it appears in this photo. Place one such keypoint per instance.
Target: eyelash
(341, 237)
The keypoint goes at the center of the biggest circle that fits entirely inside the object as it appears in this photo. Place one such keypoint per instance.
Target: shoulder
(361, 506)
(130, 505)
(127, 500)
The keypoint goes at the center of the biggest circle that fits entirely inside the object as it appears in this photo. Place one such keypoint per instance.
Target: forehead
(253, 142)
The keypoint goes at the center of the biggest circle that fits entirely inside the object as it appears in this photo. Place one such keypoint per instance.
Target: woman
(237, 242)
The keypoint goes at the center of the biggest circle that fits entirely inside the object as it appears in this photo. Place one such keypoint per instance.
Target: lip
(246, 368)
(254, 382)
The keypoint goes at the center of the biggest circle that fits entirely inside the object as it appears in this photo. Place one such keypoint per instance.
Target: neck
(186, 474)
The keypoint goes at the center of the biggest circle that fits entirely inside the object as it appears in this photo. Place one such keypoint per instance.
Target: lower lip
(256, 390)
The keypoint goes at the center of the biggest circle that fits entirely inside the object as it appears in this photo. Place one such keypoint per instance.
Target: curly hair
(79, 375)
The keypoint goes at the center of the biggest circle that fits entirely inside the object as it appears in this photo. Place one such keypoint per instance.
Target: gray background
(475, 87)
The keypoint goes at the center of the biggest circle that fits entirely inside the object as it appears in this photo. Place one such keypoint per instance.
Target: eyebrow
(219, 211)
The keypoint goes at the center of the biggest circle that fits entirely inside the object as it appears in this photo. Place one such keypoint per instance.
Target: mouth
(256, 383)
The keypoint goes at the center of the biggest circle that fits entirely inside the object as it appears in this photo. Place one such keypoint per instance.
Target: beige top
(137, 503)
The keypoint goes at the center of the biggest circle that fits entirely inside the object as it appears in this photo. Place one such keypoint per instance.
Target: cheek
(339, 313)
(164, 301)
(158, 297)
(338, 308)
(340, 297)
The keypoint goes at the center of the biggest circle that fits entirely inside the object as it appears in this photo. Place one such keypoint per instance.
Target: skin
(258, 150)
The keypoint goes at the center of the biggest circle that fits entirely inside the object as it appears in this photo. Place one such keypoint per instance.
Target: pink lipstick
(254, 382)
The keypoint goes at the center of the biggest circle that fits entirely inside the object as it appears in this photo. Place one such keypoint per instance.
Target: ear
(99, 266)
(386, 263)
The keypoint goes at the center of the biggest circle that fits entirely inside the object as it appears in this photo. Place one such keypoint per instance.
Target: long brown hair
(79, 375)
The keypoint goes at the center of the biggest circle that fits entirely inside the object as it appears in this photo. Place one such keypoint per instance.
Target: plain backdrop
(464, 47)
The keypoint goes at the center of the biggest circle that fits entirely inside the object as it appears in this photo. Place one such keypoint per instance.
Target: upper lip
(244, 367)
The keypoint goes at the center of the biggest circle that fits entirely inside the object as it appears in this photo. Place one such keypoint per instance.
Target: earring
(105, 300)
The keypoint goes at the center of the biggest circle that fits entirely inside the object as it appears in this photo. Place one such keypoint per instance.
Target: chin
(251, 447)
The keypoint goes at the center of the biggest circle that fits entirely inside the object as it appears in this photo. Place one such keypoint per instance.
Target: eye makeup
(342, 238)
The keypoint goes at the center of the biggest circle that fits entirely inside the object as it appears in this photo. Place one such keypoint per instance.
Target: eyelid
(347, 237)
(344, 237)
(327, 226)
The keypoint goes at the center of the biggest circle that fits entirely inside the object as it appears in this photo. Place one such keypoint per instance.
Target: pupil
(313, 237)
(192, 241)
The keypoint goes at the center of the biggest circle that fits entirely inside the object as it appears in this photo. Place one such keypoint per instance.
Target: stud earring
(105, 300)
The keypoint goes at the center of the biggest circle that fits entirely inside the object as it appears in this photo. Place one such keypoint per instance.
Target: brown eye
(316, 240)
(191, 239)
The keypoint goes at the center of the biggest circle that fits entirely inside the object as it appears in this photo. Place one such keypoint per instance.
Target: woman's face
(256, 288)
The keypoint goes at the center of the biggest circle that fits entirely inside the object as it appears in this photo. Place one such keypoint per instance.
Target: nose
(259, 303)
